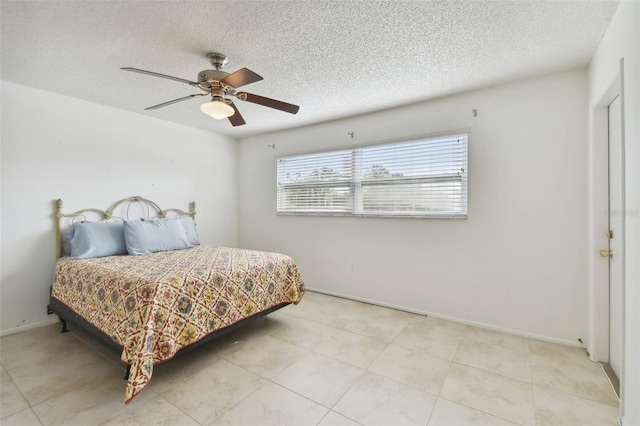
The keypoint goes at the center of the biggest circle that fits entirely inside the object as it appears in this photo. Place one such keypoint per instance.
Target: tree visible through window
(424, 177)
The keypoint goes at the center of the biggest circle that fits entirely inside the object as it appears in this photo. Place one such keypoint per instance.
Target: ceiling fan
(222, 85)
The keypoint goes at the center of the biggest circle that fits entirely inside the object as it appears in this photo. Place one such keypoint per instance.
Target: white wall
(91, 155)
(517, 263)
(622, 40)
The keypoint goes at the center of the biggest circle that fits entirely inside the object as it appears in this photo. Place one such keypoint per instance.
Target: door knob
(606, 253)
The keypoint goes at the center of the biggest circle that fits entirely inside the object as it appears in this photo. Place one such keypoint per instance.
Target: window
(424, 177)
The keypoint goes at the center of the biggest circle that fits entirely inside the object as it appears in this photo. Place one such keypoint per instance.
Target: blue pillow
(190, 229)
(96, 239)
(151, 235)
(66, 241)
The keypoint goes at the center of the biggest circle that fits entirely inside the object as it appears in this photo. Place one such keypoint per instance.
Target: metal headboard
(153, 210)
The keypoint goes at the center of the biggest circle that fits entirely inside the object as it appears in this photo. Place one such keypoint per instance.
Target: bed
(152, 306)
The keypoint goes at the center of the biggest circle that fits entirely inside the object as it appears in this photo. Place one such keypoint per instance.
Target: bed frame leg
(64, 326)
(126, 376)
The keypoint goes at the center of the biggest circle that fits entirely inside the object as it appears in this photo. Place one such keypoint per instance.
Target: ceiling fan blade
(155, 74)
(164, 104)
(241, 77)
(236, 119)
(268, 102)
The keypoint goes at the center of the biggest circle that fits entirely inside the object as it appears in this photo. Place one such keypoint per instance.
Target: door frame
(598, 222)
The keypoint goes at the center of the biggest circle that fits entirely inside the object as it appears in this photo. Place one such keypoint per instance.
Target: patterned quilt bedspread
(154, 305)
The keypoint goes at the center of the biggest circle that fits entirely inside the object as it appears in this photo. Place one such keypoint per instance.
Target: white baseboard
(21, 328)
(53, 320)
(450, 318)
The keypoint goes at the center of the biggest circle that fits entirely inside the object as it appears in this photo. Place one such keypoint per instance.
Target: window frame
(357, 183)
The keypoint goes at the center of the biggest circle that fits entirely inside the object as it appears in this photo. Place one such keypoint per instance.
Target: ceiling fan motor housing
(212, 77)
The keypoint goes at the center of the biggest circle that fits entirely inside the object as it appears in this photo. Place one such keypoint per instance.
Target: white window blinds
(424, 177)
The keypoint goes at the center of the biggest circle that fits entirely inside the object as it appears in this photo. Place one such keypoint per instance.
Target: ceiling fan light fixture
(217, 109)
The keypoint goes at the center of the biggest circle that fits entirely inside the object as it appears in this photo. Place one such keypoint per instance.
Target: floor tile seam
(455, 352)
(98, 351)
(260, 378)
(314, 346)
(445, 379)
(432, 410)
(516, 352)
(11, 413)
(533, 402)
(421, 351)
(297, 393)
(573, 395)
(553, 360)
(376, 359)
(19, 391)
(410, 384)
(493, 372)
(397, 333)
(110, 361)
(437, 335)
(333, 333)
(365, 335)
(431, 394)
(248, 370)
(530, 385)
(299, 317)
(494, 331)
(33, 405)
(339, 414)
(600, 372)
(530, 369)
(435, 397)
(535, 406)
(314, 352)
(231, 407)
(339, 327)
(323, 417)
(25, 332)
(248, 342)
(284, 341)
(482, 411)
(175, 406)
(22, 411)
(67, 348)
(35, 413)
(340, 399)
(303, 314)
(20, 363)
(317, 402)
(357, 334)
(341, 360)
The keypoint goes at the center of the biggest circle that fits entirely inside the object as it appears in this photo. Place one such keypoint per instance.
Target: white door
(616, 217)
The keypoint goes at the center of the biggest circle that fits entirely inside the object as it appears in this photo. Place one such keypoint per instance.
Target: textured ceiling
(334, 59)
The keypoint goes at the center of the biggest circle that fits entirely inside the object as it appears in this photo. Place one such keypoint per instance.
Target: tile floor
(327, 361)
